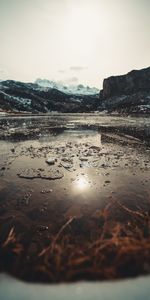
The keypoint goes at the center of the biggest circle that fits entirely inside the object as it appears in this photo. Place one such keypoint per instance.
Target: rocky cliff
(128, 93)
(132, 82)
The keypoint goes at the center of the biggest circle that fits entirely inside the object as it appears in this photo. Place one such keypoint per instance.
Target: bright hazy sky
(74, 41)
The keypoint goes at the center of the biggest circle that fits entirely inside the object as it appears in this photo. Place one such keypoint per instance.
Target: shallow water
(73, 120)
(94, 174)
(90, 182)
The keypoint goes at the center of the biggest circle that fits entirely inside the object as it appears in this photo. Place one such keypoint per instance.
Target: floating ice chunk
(39, 173)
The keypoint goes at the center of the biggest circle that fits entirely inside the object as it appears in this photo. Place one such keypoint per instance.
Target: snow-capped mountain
(68, 89)
(31, 97)
(127, 94)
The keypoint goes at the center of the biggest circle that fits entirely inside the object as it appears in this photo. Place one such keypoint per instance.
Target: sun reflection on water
(81, 183)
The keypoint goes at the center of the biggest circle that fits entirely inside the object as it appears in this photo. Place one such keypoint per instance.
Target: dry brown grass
(118, 246)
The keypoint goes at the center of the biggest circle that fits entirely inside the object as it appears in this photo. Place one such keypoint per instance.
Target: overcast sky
(74, 41)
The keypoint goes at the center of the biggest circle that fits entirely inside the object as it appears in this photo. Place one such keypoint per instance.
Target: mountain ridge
(123, 94)
(79, 89)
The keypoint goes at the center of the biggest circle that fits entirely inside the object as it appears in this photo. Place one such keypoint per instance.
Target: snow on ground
(131, 289)
(23, 101)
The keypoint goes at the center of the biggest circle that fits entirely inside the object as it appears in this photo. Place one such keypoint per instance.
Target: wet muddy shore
(74, 198)
(25, 127)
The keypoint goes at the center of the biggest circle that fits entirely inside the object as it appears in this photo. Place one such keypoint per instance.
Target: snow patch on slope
(23, 101)
(69, 89)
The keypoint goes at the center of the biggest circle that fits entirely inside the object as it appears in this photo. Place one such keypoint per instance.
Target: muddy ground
(74, 198)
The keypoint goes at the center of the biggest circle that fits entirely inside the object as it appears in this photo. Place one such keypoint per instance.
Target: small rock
(3, 168)
(83, 158)
(45, 191)
(50, 160)
(67, 165)
(67, 160)
(42, 228)
(107, 181)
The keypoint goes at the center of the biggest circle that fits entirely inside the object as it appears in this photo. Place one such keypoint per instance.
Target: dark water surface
(93, 174)
(105, 171)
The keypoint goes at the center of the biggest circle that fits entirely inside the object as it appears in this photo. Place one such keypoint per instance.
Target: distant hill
(124, 94)
(30, 97)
